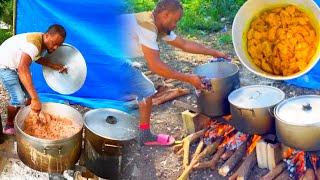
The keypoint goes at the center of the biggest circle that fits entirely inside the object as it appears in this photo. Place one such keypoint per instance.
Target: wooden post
(274, 155)
(262, 157)
(188, 121)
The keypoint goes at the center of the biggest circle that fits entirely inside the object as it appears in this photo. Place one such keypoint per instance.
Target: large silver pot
(53, 156)
(224, 78)
(252, 108)
(107, 131)
(298, 122)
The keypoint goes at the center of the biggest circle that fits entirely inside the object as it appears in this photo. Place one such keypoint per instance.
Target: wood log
(262, 155)
(176, 148)
(207, 151)
(274, 172)
(213, 162)
(243, 171)
(226, 155)
(189, 121)
(183, 105)
(187, 141)
(283, 176)
(317, 172)
(170, 95)
(233, 160)
(308, 175)
(274, 155)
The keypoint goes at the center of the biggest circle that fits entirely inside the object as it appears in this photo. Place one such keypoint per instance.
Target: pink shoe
(162, 140)
(9, 130)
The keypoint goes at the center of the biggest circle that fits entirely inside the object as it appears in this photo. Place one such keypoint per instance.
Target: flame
(227, 117)
(286, 154)
(298, 159)
(253, 144)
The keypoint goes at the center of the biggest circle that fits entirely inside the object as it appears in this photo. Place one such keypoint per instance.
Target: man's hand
(196, 82)
(35, 105)
(223, 55)
(60, 68)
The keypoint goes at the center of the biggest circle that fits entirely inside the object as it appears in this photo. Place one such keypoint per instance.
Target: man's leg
(145, 108)
(11, 83)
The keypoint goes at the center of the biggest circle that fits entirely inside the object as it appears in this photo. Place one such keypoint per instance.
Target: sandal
(9, 130)
(162, 140)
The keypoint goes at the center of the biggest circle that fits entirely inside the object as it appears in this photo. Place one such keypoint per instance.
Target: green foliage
(225, 39)
(200, 16)
(141, 5)
(6, 11)
(4, 34)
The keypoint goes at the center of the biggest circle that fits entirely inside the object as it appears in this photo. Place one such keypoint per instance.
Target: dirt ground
(145, 163)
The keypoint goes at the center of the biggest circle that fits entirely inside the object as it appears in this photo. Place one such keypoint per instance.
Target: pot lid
(66, 83)
(300, 110)
(111, 124)
(256, 96)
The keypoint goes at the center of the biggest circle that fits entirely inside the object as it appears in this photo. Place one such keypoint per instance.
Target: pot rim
(272, 105)
(293, 124)
(218, 78)
(47, 141)
(86, 126)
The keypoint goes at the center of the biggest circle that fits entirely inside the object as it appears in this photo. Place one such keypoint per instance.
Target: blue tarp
(310, 79)
(93, 29)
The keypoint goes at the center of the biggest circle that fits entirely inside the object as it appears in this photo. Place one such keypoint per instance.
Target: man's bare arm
(195, 48)
(157, 66)
(47, 63)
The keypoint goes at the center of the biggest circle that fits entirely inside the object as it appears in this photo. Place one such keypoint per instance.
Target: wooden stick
(226, 155)
(274, 172)
(170, 95)
(308, 175)
(243, 171)
(284, 175)
(207, 151)
(233, 160)
(176, 148)
(317, 172)
(180, 104)
(187, 141)
(199, 149)
(212, 163)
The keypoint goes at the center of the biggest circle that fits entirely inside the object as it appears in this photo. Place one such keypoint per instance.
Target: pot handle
(213, 60)
(106, 145)
(243, 109)
(46, 148)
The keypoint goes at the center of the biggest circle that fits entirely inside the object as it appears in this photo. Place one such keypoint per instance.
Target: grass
(200, 16)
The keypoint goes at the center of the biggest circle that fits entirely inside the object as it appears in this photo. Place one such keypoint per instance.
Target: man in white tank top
(16, 55)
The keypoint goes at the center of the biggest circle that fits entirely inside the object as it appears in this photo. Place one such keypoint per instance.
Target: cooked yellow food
(282, 41)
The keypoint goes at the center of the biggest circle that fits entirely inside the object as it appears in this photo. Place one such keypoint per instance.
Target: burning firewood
(168, 95)
(233, 160)
(274, 172)
(207, 151)
(244, 170)
(226, 155)
(213, 162)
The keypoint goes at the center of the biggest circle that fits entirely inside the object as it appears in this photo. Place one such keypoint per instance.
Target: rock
(135, 171)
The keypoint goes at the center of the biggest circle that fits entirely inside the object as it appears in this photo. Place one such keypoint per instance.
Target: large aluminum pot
(298, 122)
(107, 131)
(252, 108)
(249, 11)
(53, 156)
(224, 78)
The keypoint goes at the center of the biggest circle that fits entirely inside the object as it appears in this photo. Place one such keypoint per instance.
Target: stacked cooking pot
(259, 109)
